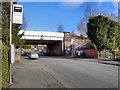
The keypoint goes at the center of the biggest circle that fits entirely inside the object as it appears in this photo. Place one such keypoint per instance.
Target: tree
(97, 31)
(81, 36)
(82, 26)
(5, 26)
(119, 12)
(60, 28)
(0, 14)
(27, 46)
(73, 32)
(103, 32)
(112, 35)
(118, 37)
(88, 13)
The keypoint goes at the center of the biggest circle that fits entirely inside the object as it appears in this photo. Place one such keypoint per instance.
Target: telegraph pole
(11, 4)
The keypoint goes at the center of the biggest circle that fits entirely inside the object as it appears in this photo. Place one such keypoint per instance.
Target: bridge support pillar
(55, 48)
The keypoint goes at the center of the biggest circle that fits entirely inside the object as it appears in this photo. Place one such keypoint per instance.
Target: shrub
(118, 53)
(0, 65)
(5, 65)
(27, 46)
(106, 53)
(93, 46)
(17, 59)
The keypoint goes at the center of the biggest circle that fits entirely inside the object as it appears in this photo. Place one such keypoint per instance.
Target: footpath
(109, 61)
(104, 61)
(27, 74)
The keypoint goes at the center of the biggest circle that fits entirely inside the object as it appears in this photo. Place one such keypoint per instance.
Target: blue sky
(46, 16)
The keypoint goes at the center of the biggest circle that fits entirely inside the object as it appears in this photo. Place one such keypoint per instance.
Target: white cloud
(71, 4)
(78, 3)
(116, 6)
(100, 1)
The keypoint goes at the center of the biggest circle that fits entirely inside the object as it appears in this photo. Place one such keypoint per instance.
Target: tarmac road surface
(73, 73)
(59, 72)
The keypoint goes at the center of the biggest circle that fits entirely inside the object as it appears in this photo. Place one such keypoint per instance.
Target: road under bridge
(54, 40)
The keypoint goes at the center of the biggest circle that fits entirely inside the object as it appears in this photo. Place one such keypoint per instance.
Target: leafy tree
(103, 32)
(0, 20)
(6, 25)
(5, 22)
(82, 26)
(93, 46)
(97, 31)
(112, 35)
(118, 37)
(81, 36)
(27, 46)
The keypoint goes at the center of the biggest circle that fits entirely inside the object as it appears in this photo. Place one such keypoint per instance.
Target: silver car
(33, 56)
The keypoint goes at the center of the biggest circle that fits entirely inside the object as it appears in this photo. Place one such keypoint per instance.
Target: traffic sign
(72, 41)
(42, 37)
(12, 53)
(17, 14)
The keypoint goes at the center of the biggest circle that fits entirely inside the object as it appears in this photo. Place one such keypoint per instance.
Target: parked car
(40, 53)
(33, 56)
(25, 53)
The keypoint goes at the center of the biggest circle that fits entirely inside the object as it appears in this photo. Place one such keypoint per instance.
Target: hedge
(5, 65)
(27, 46)
(0, 65)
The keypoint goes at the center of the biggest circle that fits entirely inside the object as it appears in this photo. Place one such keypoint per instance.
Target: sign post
(10, 40)
(73, 44)
(16, 16)
(12, 53)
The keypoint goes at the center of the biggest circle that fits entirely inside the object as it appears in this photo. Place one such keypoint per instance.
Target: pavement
(104, 61)
(108, 61)
(64, 72)
(27, 74)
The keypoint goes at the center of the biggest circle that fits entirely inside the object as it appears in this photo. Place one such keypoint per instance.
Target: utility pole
(10, 39)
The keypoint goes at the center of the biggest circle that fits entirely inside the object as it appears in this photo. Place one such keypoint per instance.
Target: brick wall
(79, 44)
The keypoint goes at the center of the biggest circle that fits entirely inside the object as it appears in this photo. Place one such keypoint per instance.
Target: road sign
(12, 53)
(42, 37)
(17, 14)
(72, 41)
